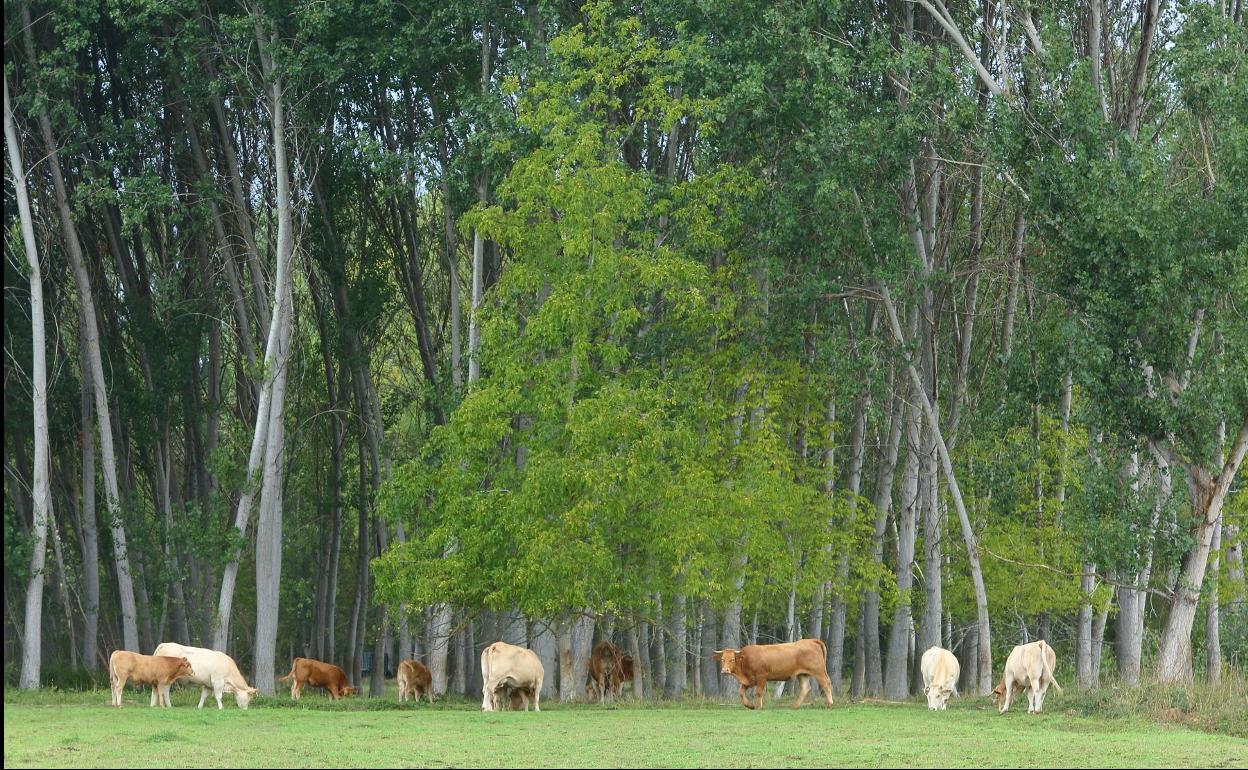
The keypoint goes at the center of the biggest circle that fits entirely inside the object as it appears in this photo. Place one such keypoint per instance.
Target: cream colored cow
(215, 672)
(940, 677)
(1029, 667)
(506, 668)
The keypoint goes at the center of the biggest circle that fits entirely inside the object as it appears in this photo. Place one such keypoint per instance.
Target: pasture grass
(80, 729)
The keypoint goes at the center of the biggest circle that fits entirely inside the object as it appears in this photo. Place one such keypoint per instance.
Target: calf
(940, 677)
(605, 667)
(214, 672)
(318, 674)
(159, 671)
(1030, 666)
(623, 674)
(414, 680)
(757, 664)
(506, 669)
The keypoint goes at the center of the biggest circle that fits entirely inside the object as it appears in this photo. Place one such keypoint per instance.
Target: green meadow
(80, 730)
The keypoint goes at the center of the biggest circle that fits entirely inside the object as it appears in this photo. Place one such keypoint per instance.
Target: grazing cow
(508, 670)
(605, 670)
(1030, 666)
(757, 664)
(414, 680)
(940, 677)
(159, 671)
(318, 674)
(214, 672)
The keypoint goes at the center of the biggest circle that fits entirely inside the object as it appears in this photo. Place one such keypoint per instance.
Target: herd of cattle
(513, 675)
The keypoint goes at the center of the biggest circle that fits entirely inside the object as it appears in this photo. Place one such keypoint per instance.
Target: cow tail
(824, 646)
(290, 675)
(1044, 666)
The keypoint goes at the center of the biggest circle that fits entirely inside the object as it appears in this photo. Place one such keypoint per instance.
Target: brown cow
(604, 670)
(318, 674)
(159, 671)
(757, 664)
(414, 679)
(623, 673)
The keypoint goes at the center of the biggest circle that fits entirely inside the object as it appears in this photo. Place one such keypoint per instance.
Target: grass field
(81, 730)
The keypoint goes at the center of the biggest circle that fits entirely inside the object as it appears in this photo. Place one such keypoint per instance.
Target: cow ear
(718, 655)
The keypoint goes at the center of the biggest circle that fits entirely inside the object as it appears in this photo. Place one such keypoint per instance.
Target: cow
(605, 669)
(1030, 666)
(506, 668)
(414, 680)
(214, 672)
(757, 664)
(159, 671)
(940, 677)
(318, 674)
(623, 673)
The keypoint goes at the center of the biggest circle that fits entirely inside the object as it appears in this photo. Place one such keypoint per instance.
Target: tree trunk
(1213, 631)
(439, 647)
(678, 640)
(32, 638)
(896, 665)
(544, 643)
(933, 559)
(1083, 629)
(269, 518)
(478, 243)
(91, 340)
(1207, 495)
(874, 679)
(87, 528)
(567, 678)
(658, 650)
(634, 649)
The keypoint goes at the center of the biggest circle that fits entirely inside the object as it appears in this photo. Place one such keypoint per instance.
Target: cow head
(727, 660)
(184, 669)
(348, 690)
(998, 697)
(937, 696)
(243, 696)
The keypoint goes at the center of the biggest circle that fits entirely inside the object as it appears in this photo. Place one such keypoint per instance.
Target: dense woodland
(402, 328)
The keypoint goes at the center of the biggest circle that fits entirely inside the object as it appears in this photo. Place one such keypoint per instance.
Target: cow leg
(801, 693)
(1005, 699)
(825, 685)
(119, 684)
(1041, 692)
(155, 696)
(760, 688)
(218, 689)
(745, 701)
(537, 696)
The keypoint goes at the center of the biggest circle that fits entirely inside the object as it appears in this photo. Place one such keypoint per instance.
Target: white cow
(1030, 667)
(506, 668)
(940, 677)
(215, 672)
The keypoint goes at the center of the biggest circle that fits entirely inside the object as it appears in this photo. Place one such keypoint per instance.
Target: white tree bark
(269, 519)
(91, 336)
(32, 636)
(1208, 494)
